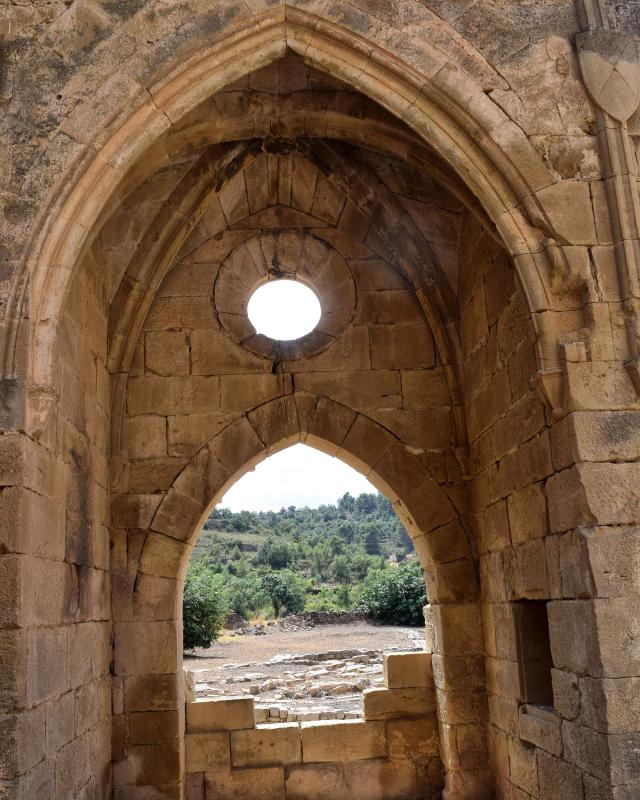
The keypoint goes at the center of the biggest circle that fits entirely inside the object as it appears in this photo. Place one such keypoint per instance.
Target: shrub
(204, 606)
(395, 596)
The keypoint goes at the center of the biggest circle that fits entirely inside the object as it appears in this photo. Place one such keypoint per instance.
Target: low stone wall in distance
(393, 753)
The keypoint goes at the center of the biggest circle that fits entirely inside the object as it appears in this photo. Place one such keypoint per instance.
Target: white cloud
(298, 476)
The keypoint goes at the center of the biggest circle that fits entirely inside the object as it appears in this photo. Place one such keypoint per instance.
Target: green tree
(341, 570)
(284, 592)
(346, 503)
(361, 564)
(366, 503)
(371, 536)
(396, 596)
(204, 606)
(246, 595)
(275, 554)
(321, 559)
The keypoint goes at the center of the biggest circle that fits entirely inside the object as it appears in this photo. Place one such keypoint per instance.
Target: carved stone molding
(42, 401)
(549, 383)
(610, 66)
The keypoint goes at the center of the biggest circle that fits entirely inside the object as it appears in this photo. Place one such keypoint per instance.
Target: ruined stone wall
(391, 754)
(114, 149)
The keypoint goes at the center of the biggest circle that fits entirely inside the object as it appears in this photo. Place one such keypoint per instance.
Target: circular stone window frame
(291, 255)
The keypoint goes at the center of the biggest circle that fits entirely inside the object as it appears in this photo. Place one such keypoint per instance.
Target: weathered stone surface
(338, 741)
(205, 752)
(407, 670)
(239, 784)
(321, 781)
(277, 744)
(393, 703)
(229, 714)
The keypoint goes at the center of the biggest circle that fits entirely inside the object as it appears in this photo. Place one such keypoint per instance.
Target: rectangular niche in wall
(534, 652)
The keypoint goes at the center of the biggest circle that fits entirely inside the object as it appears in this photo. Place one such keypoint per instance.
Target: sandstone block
(31, 523)
(568, 204)
(401, 346)
(394, 703)
(461, 707)
(149, 692)
(272, 745)
(591, 494)
(610, 705)
(213, 353)
(194, 786)
(22, 743)
(243, 392)
(143, 648)
(407, 670)
(523, 766)
(154, 394)
(59, 722)
(241, 784)
(329, 425)
(144, 436)
(25, 463)
(186, 434)
(613, 560)
(345, 740)
(228, 713)
(154, 727)
(557, 778)
(458, 629)
(178, 515)
(413, 739)
(315, 782)
(596, 637)
(47, 667)
(541, 727)
(528, 514)
(207, 751)
(459, 673)
(383, 780)
(566, 694)
(148, 764)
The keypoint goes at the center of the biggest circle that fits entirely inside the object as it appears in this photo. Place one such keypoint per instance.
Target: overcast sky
(298, 476)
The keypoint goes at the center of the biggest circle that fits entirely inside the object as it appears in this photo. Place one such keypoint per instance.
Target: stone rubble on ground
(314, 686)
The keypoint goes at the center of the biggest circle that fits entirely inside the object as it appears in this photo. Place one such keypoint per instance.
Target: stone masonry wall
(54, 562)
(392, 754)
(499, 413)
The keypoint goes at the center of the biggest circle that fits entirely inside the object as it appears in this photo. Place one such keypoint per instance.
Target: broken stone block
(394, 703)
(229, 713)
(407, 670)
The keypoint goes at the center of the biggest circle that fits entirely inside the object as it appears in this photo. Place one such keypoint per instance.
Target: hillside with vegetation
(352, 555)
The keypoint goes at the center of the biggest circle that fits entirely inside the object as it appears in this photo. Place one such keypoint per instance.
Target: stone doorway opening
(302, 549)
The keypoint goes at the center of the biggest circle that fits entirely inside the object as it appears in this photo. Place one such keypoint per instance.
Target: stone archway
(118, 178)
(500, 166)
(148, 593)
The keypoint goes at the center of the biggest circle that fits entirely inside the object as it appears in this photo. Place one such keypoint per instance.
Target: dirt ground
(301, 672)
(258, 649)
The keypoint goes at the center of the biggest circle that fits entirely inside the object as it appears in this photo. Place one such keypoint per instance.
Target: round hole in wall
(284, 309)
